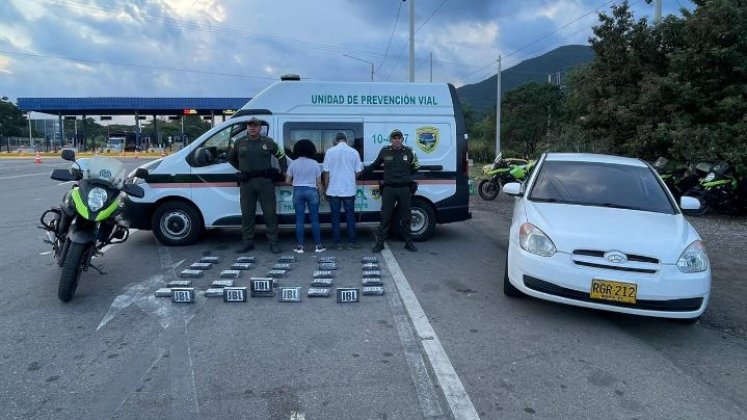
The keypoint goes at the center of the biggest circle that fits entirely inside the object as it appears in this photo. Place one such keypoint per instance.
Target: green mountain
(481, 95)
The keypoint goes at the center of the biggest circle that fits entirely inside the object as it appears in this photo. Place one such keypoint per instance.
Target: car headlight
(96, 198)
(710, 177)
(533, 240)
(693, 259)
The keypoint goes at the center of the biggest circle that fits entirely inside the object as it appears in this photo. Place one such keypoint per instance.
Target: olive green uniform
(399, 165)
(253, 158)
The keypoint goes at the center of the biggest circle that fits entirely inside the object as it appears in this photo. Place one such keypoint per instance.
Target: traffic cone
(37, 158)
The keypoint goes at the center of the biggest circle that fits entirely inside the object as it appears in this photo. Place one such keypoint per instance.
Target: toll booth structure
(139, 108)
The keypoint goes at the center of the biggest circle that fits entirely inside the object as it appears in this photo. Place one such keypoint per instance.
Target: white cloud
(5, 65)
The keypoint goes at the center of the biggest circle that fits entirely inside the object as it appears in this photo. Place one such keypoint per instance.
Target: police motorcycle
(88, 218)
(500, 172)
(720, 190)
(680, 178)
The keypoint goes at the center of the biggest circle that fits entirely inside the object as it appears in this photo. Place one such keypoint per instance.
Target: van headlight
(693, 259)
(534, 240)
(96, 198)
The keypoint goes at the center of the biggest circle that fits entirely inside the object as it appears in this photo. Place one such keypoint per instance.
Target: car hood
(658, 235)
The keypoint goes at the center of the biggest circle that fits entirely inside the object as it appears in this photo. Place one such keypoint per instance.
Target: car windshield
(600, 184)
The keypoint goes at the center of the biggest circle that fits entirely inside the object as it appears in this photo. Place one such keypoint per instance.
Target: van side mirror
(513, 189)
(68, 154)
(203, 156)
(141, 173)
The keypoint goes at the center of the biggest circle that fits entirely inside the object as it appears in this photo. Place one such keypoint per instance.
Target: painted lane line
(24, 176)
(456, 396)
(427, 394)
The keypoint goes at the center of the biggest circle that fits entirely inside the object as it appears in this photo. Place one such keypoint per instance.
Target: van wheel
(423, 222)
(509, 289)
(176, 223)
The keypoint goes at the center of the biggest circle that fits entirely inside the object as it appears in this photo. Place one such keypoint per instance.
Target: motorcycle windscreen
(105, 168)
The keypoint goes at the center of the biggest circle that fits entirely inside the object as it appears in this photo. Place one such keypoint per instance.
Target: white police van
(195, 189)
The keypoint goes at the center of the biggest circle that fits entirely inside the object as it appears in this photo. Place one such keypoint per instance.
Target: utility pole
(431, 67)
(365, 61)
(498, 109)
(412, 41)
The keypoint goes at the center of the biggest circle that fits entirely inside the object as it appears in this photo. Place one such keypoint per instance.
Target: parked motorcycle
(719, 190)
(500, 172)
(680, 178)
(88, 217)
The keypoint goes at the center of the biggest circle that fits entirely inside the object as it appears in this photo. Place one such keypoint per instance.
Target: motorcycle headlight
(693, 259)
(533, 240)
(710, 177)
(486, 168)
(96, 198)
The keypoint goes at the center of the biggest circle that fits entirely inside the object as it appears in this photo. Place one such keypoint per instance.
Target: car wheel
(176, 223)
(508, 288)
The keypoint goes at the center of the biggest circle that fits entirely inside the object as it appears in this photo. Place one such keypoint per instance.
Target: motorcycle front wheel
(488, 189)
(71, 270)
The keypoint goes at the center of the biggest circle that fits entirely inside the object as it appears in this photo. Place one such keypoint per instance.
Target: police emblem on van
(427, 138)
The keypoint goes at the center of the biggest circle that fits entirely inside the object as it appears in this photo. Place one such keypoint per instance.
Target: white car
(604, 232)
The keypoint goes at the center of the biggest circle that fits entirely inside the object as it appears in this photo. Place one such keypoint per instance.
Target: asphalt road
(442, 343)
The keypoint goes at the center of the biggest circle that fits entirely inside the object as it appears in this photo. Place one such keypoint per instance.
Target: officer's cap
(395, 132)
(254, 121)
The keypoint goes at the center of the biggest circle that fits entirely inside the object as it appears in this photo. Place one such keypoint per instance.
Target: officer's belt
(396, 184)
(264, 173)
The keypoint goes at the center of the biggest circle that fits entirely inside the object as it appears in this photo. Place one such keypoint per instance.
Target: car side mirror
(513, 188)
(689, 203)
(68, 154)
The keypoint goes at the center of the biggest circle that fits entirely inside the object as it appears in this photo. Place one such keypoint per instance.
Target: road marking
(427, 394)
(295, 415)
(24, 176)
(454, 392)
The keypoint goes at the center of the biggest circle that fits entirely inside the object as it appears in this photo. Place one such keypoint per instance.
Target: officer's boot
(378, 247)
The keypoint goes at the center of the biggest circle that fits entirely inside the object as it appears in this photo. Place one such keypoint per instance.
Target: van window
(322, 135)
(216, 148)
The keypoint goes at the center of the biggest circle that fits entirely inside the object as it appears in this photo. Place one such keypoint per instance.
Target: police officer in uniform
(252, 157)
(399, 164)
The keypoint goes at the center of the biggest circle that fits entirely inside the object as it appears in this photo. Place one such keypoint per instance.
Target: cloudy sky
(237, 47)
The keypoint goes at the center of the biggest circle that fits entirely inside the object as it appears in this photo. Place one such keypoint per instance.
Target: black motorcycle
(680, 178)
(721, 190)
(88, 218)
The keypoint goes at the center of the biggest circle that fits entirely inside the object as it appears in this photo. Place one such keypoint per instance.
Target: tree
(709, 73)
(617, 97)
(530, 113)
(12, 120)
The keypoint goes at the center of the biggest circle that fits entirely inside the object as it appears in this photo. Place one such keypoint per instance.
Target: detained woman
(305, 175)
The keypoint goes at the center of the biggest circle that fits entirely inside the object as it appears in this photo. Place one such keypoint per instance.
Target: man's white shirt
(342, 162)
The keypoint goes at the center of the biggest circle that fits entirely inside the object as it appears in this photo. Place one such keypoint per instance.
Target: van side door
(213, 179)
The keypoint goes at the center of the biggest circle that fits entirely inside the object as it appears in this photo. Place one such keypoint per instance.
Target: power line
(429, 17)
(143, 66)
(540, 38)
(416, 31)
(396, 20)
